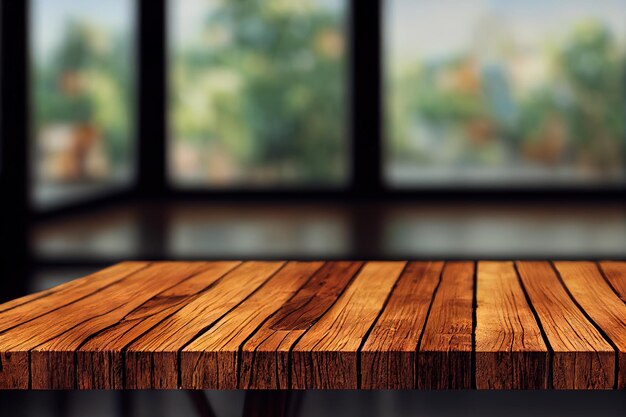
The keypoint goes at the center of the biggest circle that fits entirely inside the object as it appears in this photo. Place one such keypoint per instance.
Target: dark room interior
(310, 130)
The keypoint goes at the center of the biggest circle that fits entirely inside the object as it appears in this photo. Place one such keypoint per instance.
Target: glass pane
(498, 92)
(83, 96)
(258, 93)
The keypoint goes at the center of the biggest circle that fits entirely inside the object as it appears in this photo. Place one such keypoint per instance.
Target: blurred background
(504, 92)
(308, 129)
(83, 87)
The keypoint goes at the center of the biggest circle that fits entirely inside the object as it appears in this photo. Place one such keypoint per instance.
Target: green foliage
(87, 79)
(582, 96)
(265, 83)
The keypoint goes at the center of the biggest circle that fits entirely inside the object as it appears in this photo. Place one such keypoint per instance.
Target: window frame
(111, 191)
(295, 188)
(365, 126)
(363, 109)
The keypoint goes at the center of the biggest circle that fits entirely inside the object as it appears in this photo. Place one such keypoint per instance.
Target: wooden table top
(323, 325)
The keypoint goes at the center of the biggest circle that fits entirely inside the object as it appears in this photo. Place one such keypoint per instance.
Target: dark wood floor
(384, 231)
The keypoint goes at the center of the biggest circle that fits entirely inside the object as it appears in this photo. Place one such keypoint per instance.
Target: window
(258, 93)
(83, 95)
(495, 92)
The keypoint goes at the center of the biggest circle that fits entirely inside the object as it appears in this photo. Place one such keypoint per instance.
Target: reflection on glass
(83, 94)
(109, 235)
(259, 232)
(257, 93)
(496, 91)
(488, 232)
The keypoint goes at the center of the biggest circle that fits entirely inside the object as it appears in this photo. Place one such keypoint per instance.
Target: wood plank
(445, 352)
(322, 325)
(53, 315)
(211, 361)
(151, 362)
(14, 366)
(52, 348)
(326, 355)
(582, 359)
(615, 273)
(32, 306)
(265, 357)
(588, 287)
(100, 357)
(388, 355)
(510, 352)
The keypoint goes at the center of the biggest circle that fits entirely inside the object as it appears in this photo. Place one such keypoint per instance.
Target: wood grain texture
(54, 338)
(581, 358)
(388, 356)
(615, 273)
(212, 360)
(445, 351)
(592, 293)
(326, 356)
(151, 361)
(32, 306)
(322, 325)
(265, 360)
(101, 355)
(14, 362)
(27, 325)
(510, 351)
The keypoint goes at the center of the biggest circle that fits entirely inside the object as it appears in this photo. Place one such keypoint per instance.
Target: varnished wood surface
(323, 325)
(510, 351)
(444, 358)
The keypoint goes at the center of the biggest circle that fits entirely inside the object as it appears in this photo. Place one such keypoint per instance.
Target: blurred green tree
(265, 85)
(88, 80)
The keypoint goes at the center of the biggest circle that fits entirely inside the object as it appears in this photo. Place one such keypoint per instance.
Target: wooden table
(322, 325)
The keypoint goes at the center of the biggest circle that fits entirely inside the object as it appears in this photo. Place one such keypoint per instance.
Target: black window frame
(366, 125)
(18, 217)
(15, 214)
